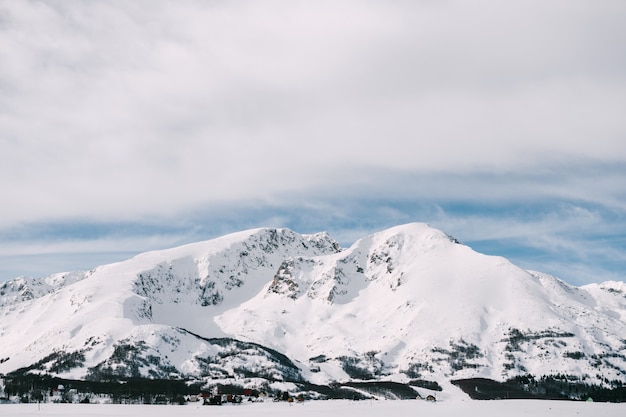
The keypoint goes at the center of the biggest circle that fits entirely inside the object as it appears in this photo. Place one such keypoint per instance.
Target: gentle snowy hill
(406, 304)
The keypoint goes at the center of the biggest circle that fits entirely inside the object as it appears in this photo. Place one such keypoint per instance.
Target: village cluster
(216, 396)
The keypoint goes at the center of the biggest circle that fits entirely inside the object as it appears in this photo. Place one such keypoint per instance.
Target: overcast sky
(134, 125)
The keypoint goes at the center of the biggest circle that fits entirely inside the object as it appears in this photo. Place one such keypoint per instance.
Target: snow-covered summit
(412, 297)
(406, 303)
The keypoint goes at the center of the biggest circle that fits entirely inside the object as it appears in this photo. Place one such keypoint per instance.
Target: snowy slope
(413, 299)
(403, 304)
(144, 300)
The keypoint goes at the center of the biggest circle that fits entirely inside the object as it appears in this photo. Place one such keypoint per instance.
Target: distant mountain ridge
(406, 304)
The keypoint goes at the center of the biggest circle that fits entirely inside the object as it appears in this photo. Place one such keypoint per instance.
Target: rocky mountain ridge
(406, 304)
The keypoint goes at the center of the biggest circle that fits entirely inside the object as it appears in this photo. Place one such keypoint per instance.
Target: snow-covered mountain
(409, 303)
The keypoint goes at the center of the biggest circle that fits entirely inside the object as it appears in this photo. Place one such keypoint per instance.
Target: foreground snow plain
(467, 408)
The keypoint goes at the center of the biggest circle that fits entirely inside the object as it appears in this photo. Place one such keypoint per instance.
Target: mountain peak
(403, 303)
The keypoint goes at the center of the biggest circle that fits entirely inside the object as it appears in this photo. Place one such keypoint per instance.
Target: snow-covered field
(468, 408)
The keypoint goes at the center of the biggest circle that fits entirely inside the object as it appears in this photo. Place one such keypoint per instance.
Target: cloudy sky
(129, 126)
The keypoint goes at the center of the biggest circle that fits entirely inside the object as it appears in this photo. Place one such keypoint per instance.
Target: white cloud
(113, 111)
(129, 109)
